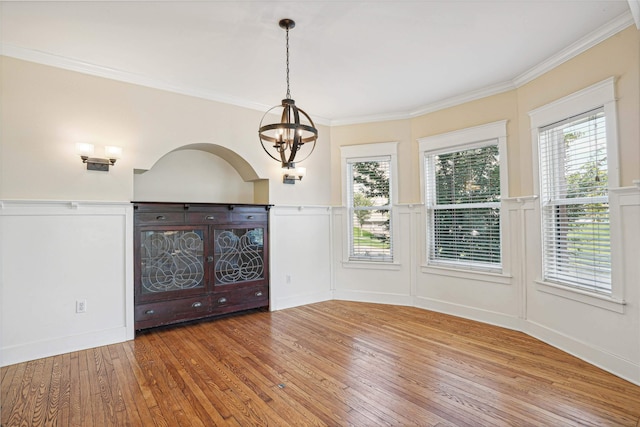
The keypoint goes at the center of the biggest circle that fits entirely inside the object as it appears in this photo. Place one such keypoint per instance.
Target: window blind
(575, 203)
(370, 205)
(463, 205)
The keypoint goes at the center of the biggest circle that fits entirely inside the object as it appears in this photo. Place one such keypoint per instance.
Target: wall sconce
(85, 151)
(292, 174)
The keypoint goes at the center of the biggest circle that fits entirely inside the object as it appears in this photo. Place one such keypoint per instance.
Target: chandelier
(284, 139)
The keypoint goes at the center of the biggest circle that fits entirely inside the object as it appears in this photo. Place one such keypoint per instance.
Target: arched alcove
(200, 172)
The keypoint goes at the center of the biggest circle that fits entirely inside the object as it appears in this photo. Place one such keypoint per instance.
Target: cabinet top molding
(187, 206)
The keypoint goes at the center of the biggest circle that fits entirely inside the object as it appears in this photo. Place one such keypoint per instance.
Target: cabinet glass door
(239, 255)
(171, 260)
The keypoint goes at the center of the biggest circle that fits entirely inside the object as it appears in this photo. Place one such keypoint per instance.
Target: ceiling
(351, 61)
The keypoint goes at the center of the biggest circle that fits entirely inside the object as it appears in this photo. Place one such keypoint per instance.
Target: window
(575, 203)
(463, 206)
(369, 200)
(463, 190)
(577, 164)
(370, 206)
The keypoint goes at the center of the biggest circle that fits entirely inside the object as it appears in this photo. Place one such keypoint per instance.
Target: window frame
(462, 140)
(382, 151)
(601, 94)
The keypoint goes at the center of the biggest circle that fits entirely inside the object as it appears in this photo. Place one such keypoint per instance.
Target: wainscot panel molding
(54, 254)
(377, 281)
(300, 251)
(517, 210)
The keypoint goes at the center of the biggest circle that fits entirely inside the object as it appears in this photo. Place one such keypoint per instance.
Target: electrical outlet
(288, 278)
(81, 306)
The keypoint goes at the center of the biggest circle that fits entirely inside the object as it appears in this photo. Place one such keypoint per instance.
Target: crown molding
(634, 5)
(70, 64)
(386, 117)
(611, 28)
(465, 97)
(587, 42)
(430, 108)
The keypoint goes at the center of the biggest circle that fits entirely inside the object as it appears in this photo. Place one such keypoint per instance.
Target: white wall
(300, 255)
(46, 111)
(172, 179)
(57, 253)
(376, 282)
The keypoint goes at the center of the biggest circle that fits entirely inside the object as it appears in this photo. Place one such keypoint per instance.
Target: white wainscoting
(378, 282)
(300, 255)
(54, 254)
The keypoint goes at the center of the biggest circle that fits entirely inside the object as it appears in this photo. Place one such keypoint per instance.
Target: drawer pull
(196, 304)
(259, 293)
(150, 312)
(250, 217)
(222, 300)
(161, 217)
(210, 217)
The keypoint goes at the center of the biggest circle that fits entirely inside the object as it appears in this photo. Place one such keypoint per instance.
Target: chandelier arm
(267, 151)
(313, 138)
(296, 135)
(266, 137)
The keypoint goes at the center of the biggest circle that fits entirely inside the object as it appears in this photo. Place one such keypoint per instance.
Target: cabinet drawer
(249, 216)
(240, 299)
(165, 312)
(207, 217)
(159, 217)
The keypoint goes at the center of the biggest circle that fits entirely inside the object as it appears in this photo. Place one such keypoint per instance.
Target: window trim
(461, 140)
(387, 151)
(601, 94)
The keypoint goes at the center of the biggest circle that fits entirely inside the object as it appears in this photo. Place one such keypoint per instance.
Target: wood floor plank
(86, 414)
(11, 386)
(328, 364)
(179, 369)
(138, 413)
(15, 409)
(9, 374)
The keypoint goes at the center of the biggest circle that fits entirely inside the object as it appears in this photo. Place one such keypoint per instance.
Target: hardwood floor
(334, 363)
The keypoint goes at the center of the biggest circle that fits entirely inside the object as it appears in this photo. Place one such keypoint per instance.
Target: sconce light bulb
(113, 152)
(84, 149)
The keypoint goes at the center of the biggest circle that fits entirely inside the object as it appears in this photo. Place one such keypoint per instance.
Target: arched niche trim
(244, 168)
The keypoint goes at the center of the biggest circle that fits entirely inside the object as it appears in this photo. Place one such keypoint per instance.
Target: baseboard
(37, 350)
(472, 313)
(298, 300)
(622, 368)
(375, 297)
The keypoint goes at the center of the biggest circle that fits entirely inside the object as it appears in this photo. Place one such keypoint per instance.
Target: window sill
(478, 275)
(371, 265)
(585, 297)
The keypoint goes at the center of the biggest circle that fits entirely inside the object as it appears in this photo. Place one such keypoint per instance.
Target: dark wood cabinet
(196, 260)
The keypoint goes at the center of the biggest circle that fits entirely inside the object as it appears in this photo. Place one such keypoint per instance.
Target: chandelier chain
(288, 92)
